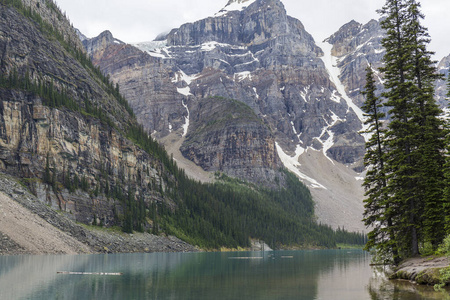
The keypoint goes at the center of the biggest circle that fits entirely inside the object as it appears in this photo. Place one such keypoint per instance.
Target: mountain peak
(234, 5)
(238, 1)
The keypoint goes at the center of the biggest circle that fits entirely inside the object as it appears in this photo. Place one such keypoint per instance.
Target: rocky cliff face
(146, 82)
(226, 136)
(67, 145)
(357, 46)
(258, 55)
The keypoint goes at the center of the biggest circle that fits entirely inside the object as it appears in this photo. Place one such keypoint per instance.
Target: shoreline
(421, 270)
(30, 227)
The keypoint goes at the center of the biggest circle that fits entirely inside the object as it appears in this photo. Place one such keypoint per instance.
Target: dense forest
(407, 183)
(227, 213)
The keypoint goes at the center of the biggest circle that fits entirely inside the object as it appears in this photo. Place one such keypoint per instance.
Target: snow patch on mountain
(304, 93)
(154, 48)
(329, 142)
(186, 91)
(233, 6)
(243, 75)
(256, 93)
(292, 164)
(181, 76)
(330, 62)
(186, 124)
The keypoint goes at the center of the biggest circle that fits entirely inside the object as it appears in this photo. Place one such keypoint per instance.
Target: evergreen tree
(430, 134)
(446, 199)
(377, 213)
(414, 139)
(47, 176)
(400, 134)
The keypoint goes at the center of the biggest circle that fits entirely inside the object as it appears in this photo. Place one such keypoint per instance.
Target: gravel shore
(28, 226)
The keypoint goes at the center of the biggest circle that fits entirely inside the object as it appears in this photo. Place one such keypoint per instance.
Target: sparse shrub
(444, 248)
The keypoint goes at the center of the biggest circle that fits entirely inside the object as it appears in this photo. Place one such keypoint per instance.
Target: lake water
(321, 274)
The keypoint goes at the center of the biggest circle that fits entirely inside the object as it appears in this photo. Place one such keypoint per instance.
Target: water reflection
(328, 274)
(380, 288)
(348, 274)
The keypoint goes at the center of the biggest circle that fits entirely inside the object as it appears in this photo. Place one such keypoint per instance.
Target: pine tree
(414, 160)
(377, 212)
(446, 196)
(400, 134)
(430, 136)
(47, 176)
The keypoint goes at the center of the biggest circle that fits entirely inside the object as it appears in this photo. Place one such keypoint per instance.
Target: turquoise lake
(318, 274)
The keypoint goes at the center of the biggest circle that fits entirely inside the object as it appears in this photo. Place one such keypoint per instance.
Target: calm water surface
(324, 274)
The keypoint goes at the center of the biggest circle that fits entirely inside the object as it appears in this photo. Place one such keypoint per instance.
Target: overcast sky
(142, 20)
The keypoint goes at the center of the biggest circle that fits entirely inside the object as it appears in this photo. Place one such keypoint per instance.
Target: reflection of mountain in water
(269, 275)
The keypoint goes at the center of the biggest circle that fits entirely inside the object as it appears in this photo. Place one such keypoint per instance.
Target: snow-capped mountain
(300, 113)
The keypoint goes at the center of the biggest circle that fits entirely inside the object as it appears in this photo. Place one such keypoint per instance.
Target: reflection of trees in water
(381, 288)
(195, 275)
(215, 276)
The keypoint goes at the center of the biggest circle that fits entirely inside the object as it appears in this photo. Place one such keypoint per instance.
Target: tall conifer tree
(430, 136)
(377, 213)
(400, 136)
(414, 139)
(447, 165)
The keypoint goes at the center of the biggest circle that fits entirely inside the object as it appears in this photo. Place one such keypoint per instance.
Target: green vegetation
(229, 212)
(405, 184)
(350, 246)
(444, 273)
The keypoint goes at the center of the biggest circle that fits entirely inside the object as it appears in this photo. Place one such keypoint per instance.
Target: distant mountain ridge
(358, 45)
(260, 56)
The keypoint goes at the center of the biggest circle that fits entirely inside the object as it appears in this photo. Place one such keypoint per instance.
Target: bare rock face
(33, 135)
(101, 42)
(255, 54)
(357, 46)
(68, 144)
(144, 80)
(226, 136)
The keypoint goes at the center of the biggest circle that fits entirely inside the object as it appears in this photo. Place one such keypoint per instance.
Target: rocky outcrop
(256, 54)
(43, 144)
(357, 46)
(422, 270)
(101, 42)
(226, 136)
